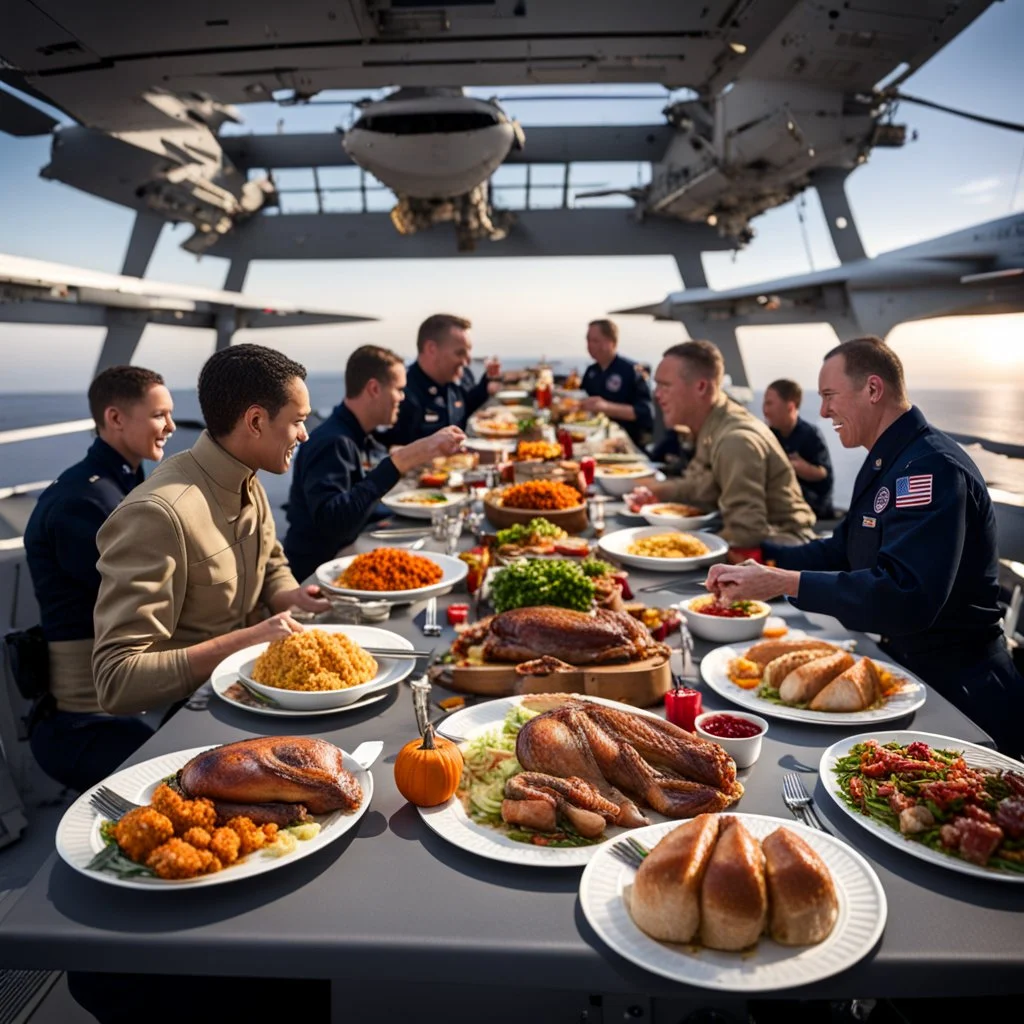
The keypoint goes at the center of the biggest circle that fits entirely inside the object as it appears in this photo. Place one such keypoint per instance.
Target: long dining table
(399, 919)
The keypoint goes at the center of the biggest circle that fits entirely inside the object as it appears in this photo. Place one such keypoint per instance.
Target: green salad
(524, 533)
(555, 582)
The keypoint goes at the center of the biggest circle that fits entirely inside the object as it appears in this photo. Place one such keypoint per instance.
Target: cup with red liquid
(587, 467)
(682, 706)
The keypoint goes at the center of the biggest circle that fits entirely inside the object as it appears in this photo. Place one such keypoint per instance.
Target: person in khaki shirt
(738, 465)
(190, 561)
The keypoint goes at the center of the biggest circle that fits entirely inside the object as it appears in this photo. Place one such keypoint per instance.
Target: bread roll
(854, 690)
(801, 892)
(769, 650)
(733, 896)
(806, 682)
(777, 670)
(665, 899)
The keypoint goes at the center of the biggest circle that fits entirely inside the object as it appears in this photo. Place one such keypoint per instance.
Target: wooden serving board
(641, 683)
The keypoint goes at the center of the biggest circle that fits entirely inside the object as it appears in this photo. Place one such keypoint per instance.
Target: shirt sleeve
(73, 526)
(921, 547)
(338, 507)
(815, 451)
(642, 403)
(740, 472)
(828, 554)
(277, 573)
(143, 570)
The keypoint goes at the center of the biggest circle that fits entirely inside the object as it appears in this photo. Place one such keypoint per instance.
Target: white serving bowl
(618, 483)
(512, 397)
(720, 630)
(744, 750)
(389, 672)
(453, 572)
(618, 543)
(656, 517)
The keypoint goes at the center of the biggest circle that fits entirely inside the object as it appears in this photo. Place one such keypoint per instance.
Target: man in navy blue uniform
(802, 442)
(440, 390)
(73, 740)
(915, 558)
(616, 385)
(335, 485)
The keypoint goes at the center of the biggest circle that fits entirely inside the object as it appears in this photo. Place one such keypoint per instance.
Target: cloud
(980, 199)
(977, 186)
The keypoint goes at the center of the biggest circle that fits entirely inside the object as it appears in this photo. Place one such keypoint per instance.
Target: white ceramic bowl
(656, 517)
(744, 750)
(512, 397)
(618, 483)
(406, 503)
(389, 672)
(618, 543)
(721, 630)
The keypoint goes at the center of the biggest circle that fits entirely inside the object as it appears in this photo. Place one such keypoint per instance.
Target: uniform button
(878, 463)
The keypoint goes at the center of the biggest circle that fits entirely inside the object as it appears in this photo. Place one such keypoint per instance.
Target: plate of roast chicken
(577, 772)
(212, 815)
(810, 679)
(736, 902)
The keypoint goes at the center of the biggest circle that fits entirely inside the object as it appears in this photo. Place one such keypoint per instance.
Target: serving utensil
(413, 531)
(630, 851)
(392, 652)
(675, 585)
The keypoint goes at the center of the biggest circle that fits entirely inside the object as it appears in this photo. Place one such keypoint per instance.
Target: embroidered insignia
(439, 401)
(93, 478)
(882, 499)
(914, 491)
(430, 417)
(614, 383)
(869, 521)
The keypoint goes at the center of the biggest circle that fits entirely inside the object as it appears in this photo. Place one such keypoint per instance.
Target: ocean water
(995, 414)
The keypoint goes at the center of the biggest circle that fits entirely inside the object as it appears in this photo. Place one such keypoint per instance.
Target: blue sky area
(957, 173)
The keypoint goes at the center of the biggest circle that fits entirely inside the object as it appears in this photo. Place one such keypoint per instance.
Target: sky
(955, 174)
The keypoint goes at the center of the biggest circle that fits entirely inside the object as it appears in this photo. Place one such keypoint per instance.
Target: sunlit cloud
(977, 186)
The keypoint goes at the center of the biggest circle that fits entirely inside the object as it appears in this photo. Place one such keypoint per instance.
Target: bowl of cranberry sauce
(738, 732)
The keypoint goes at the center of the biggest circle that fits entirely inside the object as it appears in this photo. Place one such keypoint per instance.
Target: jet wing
(33, 291)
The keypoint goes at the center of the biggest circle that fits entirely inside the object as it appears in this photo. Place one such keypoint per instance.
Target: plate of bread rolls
(737, 902)
(810, 679)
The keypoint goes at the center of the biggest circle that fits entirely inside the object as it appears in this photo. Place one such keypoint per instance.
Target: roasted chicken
(576, 638)
(287, 772)
(619, 753)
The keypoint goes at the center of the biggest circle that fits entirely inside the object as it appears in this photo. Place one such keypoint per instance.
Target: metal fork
(430, 626)
(110, 804)
(798, 800)
(630, 851)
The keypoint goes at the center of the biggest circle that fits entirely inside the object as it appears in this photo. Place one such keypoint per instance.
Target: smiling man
(915, 559)
(191, 559)
(71, 738)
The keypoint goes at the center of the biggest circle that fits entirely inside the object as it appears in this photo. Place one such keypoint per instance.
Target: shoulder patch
(882, 500)
(914, 491)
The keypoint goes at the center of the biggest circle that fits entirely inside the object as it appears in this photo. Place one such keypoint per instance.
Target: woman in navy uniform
(616, 385)
(440, 390)
(72, 739)
(915, 558)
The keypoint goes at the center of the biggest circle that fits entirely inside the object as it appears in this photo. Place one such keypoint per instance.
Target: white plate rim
(905, 736)
(227, 672)
(77, 840)
(451, 822)
(449, 564)
(859, 925)
(717, 545)
(390, 501)
(712, 670)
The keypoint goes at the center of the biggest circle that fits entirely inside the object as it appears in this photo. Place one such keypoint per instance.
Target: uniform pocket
(219, 568)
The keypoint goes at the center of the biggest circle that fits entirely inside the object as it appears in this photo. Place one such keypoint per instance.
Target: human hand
(443, 442)
(277, 627)
(307, 599)
(750, 581)
(639, 497)
(595, 403)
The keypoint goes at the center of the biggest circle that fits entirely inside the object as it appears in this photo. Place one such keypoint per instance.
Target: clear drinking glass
(453, 531)
(438, 521)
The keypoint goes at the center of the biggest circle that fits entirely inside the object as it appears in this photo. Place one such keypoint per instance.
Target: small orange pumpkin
(428, 770)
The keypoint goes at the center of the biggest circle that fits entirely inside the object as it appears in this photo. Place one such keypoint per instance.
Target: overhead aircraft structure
(781, 94)
(33, 291)
(973, 272)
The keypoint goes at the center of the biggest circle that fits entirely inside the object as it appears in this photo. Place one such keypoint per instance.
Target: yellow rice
(314, 660)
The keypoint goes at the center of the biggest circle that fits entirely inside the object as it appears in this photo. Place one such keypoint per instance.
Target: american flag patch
(913, 491)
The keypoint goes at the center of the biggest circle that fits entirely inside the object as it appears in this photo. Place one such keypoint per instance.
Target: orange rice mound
(389, 569)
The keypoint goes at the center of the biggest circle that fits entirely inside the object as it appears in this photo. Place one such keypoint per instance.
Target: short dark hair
(120, 386)
(436, 328)
(787, 390)
(241, 376)
(864, 357)
(701, 356)
(368, 362)
(609, 328)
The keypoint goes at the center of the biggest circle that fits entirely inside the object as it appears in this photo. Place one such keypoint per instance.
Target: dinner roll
(801, 892)
(806, 682)
(665, 899)
(733, 895)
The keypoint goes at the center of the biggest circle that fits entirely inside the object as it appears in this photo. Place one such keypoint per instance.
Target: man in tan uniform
(190, 560)
(738, 466)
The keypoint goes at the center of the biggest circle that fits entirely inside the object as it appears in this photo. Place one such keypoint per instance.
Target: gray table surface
(392, 901)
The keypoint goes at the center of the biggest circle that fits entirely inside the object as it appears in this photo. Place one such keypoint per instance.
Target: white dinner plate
(451, 822)
(713, 667)
(454, 571)
(769, 966)
(79, 840)
(617, 544)
(975, 756)
(390, 671)
(397, 503)
(676, 522)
